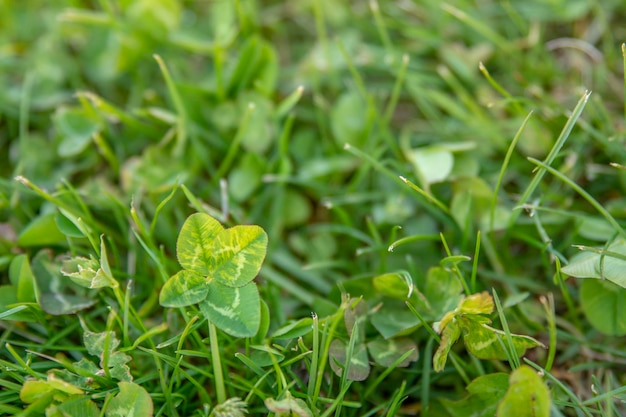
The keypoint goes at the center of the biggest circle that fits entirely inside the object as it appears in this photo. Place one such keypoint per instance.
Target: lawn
(312, 208)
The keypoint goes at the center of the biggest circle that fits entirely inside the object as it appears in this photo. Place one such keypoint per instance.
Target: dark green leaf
(394, 319)
(387, 352)
(358, 368)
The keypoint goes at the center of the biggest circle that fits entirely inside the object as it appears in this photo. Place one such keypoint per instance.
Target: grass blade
(567, 129)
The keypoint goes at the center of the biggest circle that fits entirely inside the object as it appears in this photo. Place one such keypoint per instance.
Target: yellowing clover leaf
(184, 289)
(195, 241)
(480, 339)
(237, 255)
(218, 268)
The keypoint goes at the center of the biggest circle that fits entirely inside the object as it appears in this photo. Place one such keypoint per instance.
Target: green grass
(436, 180)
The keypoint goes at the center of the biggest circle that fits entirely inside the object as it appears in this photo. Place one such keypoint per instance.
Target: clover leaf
(218, 268)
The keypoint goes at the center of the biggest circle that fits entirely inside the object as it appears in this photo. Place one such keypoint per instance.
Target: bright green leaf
(221, 19)
(42, 231)
(67, 227)
(195, 241)
(465, 165)
(433, 164)
(132, 401)
(33, 390)
(604, 305)
(480, 303)
(237, 254)
(184, 289)
(235, 310)
(62, 386)
(393, 285)
(442, 291)
(527, 396)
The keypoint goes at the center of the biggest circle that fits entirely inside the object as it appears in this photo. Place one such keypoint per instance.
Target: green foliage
(480, 339)
(65, 392)
(400, 160)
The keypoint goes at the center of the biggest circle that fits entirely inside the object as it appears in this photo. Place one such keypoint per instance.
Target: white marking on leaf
(226, 312)
(483, 344)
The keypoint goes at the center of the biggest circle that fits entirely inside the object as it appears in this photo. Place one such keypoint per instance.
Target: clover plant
(218, 268)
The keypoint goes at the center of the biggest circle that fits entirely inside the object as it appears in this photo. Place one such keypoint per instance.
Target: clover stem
(217, 364)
